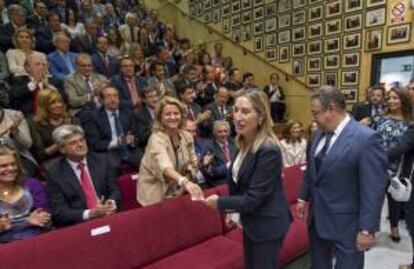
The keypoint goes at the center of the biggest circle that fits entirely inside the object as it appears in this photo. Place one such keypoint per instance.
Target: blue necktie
(321, 154)
(120, 132)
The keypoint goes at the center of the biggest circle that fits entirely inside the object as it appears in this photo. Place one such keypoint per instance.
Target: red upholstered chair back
(127, 185)
(292, 179)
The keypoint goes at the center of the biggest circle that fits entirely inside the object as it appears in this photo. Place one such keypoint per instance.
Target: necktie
(131, 29)
(226, 152)
(35, 93)
(132, 87)
(87, 187)
(190, 114)
(321, 154)
(223, 112)
(162, 89)
(120, 132)
(88, 85)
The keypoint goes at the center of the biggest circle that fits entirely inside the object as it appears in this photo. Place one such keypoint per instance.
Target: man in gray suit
(344, 183)
(82, 86)
(159, 80)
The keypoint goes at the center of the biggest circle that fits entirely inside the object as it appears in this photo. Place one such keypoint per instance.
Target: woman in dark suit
(255, 186)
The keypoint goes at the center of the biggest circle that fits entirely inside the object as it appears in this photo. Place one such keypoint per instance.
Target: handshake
(197, 195)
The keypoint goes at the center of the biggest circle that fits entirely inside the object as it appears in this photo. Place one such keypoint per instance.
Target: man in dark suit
(129, 85)
(39, 18)
(207, 88)
(145, 118)
(364, 112)
(102, 62)
(114, 130)
(17, 16)
(44, 35)
(164, 57)
(87, 42)
(344, 183)
(81, 185)
(235, 82)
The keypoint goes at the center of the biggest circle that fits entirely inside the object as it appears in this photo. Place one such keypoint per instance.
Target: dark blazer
(101, 68)
(120, 83)
(207, 129)
(65, 194)
(266, 89)
(347, 192)
(21, 97)
(6, 36)
(207, 96)
(144, 122)
(258, 195)
(361, 110)
(84, 44)
(44, 39)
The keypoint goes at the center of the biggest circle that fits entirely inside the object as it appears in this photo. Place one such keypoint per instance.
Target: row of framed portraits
(348, 78)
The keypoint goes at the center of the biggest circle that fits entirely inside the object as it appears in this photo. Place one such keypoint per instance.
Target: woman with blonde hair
(51, 113)
(136, 53)
(293, 145)
(255, 186)
(23, 42)
(169, 164)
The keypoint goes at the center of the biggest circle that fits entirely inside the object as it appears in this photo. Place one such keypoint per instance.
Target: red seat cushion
(292, 181)
(236, 235)
(218, 252)
(127, 185)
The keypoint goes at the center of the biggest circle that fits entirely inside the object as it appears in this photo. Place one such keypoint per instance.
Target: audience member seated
(164, 56)
(146, 116)
(44, 35)
(23, 97)
(87, 42)
(235, 82)
(276, 98)
(373, 106)
(86, 11)
(4, 13)
(82, 185)
(23, 203)
(129, 30)
(116, 47)
(17, 17)
(193, 110)
(158, 80)
(293, 145)
(100, 24)
(62, 62)
(114, 129)
(221, 153)
(144, 41)
(207, 87)
(169, 163)
(111, 19)
(58, 7)
(71, 25)
(15, 133)
(217, 55)
(4, 69)
(129, 85)
(51, 113)
(103, 63)
(137, 55)
(82, 86)
(220, 110)
(39, 17)
(24, 43)
(248, 81)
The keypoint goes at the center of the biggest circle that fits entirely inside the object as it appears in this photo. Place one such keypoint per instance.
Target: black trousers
(261, 255)
(395, 211)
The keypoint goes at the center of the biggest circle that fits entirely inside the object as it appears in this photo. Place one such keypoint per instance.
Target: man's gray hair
(61, 133)
(219, 123)
(329, 95)
(58, 35)
(15, 8)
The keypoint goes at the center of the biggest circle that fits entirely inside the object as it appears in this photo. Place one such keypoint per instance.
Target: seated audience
(39, 17)
(114, 129)
(193, 110)
(87, 42)
(129, 30)
(44, 35)
(116, 46)
(235, 82)
(207, 87)
(374, 106)
(147, 46)
(220, 110)
(217, 55)
(276, 98)
(293, 145)
(146, 116)
(82, 185)
(169, 163)
(23, 203)
(17, 17)
(51, 113)
(71, 25)
(159, 80)
(164, 57)
(248, 81)
(103, 63)
(111, 19)
(137, 55)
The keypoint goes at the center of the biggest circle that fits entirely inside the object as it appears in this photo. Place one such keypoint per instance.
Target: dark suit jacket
(65, 194)
(207, 130)
(258, 195)
(84, 44)
(21, 98)
(404, 146)
(101, 68)
(347, 192)
(44, 39)
(120, 83)
(6, 35)
(207, 97)
(361, 110)
(144, 122)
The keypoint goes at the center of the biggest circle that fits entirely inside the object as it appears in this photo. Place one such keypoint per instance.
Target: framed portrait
(225, 11)
(298, 34)
(353, 22)
(270, 40)
(352, 41)
(258, 44)
(314, 64)
(298, 67)
(225, 26)
(192, 10)
(199, 9)
(257, 3)
(246, 4)
(333, 9)
(258, 28)
(311, 2)
(351, 60)
(333, 45)
(235, 20)
(271, 55)
(313, 80)
(215, 3)
(284, 6)
(270, 25)
(246, 17)
(216, 15)
(375, 3)
(298, 3)
(315, 47)
(350, 78)
(246, 32)
(351, 95)
(298, 50)
(207, 5)
(315, 13)
(298, 18)
(373, 41)
(284, 21)
(375, 17)
(399, 34)
(235, 7)
(258, 13)
(315, 31)
(333, 27)
(331, 79)
(236, 34)
(284, 52)
(284, 37)
(207, 17)
(353, 5)
(331, 61)
(270, 10)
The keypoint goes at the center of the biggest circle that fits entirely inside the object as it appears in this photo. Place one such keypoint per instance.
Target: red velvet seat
(127, 185)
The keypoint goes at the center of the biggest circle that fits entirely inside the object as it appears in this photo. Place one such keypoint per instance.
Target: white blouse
(293, 153)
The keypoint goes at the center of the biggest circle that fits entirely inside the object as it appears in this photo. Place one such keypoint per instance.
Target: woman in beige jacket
(169, 162)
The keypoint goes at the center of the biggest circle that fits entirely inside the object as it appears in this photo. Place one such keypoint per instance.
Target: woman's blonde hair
(21, 173)
(265, 133)
(286, 131)
(168, 100)
(22, 30)
(45, 98)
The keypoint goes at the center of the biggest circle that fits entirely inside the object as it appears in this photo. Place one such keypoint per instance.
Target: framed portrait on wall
(298, 3)
(270, 10)
(399, 34)
(315, 47)
(284, 52)
(333, 45)
(314, 64)
(246, 4)
(333, 9)
(207, 17)
(298, 34)
(215, 3)
(225, 11)
(331, 79)
(315, 13)
(315, 31)
(225, 26)
(200, 9)
(236, 34)
(353, 22)
(284, 21)
(331, 61)
(298, 50)
(258, 28)
(258, 44)
(284, 37)
(350, 78)
(270, 40)
(298, 67)
(258, 13)
(298, 18)
(333, 27)
(351, 60)
(352, 41)
(375, 17)
(235, 20)
(216, 15)
(312, 2)
(270, 25)
(284, 6)
(373, 41)
(207, 5)
(270, 55)
(375, 3)
(353, 5)
(235, 7)
(246, 17)
(257, 3)
(351, 94)
(246, 32)
(313, 80)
